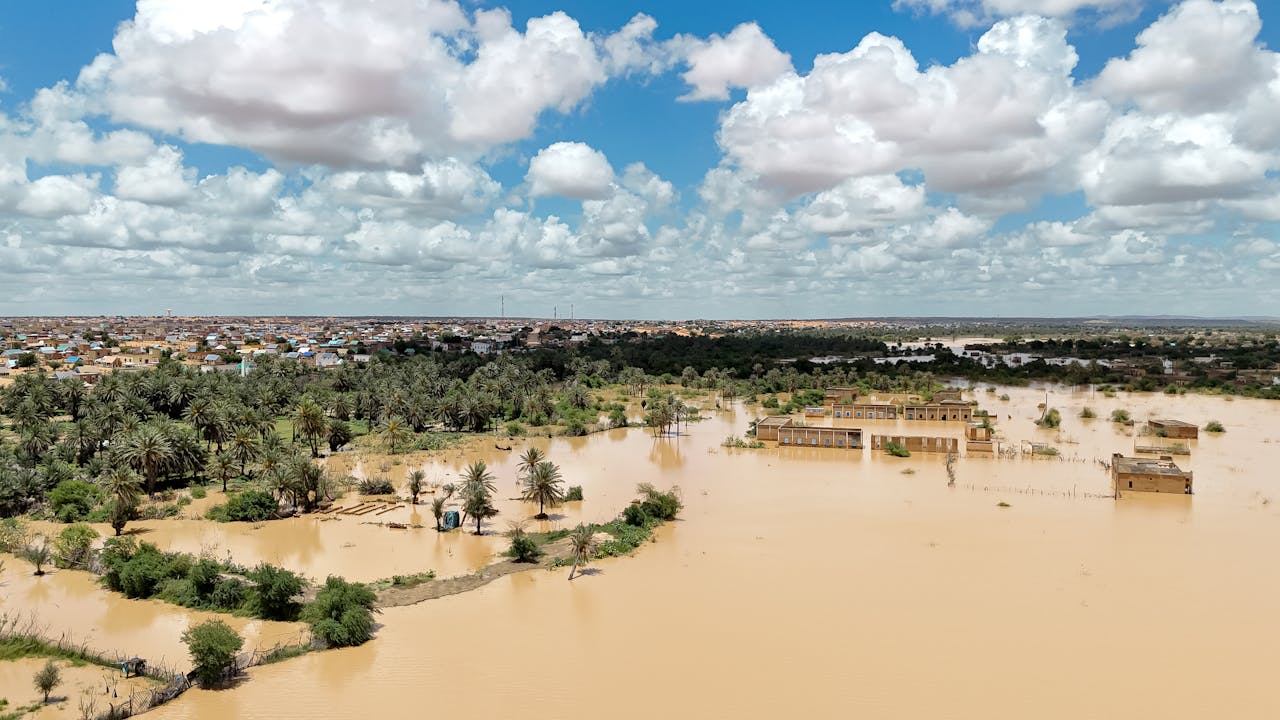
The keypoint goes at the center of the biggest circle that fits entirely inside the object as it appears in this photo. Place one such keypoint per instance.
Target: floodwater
(82, 686)
(831, 583)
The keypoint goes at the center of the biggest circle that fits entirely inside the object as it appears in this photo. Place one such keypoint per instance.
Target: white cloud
(968, 13)
(862, 204)
(571, 169)
(162, 178)
(1005, 120)
(744, 58)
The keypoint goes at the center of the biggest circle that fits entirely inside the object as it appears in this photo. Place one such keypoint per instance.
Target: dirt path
(396, 597)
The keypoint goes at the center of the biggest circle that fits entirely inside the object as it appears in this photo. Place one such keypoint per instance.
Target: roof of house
(1171, 423)
(777, 420)
(1146, 466)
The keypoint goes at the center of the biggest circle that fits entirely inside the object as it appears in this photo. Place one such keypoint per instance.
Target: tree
(479, 505)
(582, 543)
(437, 509)
(416, 480)
(38, 553)
(213, 646)
(477, 477)
(523, 548)
(394, 432)
(340, 434)
(74, 546)
(529, 459)
(310, 424)
(244, 448)
(147, 450)
(47, 678)
(544, 486)
(342, 613)
(220, 467)
(951, 469)
(275, 592)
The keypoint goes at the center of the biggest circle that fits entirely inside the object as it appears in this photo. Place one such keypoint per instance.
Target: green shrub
(515, 429)
(1214, 426)
(199, 493)
(1088, 413)
(574, 493)
(275, 591)
(213, 646)
(1051, 419)
(1005, 397)
(246, 506)
(1120, 416)
(342, 613)
(228, 594)
(617, 418)
(376, 486)
(72, 500)
(74, 546)
(635, 515)
(524, 549)
(896, 449)
(660, 505)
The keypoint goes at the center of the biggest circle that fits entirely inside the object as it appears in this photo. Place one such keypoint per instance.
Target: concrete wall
(843, 438)
(917, 443)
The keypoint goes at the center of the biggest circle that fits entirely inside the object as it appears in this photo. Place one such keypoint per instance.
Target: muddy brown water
(832, 584)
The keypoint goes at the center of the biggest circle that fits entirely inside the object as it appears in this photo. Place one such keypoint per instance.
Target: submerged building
(917, 443)
(1173, 429)
(950, 410)
(1147, 475)
(865, 411)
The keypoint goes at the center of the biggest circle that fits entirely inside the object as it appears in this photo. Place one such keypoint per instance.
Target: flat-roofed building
(977, 439)
(949, 410)
(767, 429)
(831, 437)
(1173, 429)
(865, 411)
(917, 443)
(840, 396)
(1147, 475)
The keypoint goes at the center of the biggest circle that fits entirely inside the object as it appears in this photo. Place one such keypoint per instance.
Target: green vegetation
(403, 581)
(1088, 413)
(1214, 426)
(1051, 419)
(1045, 450)
(38, 553)
(896, 449)
(47, 678)
(74, 546)
(342, 613)
(72, 500)
(573, 494)
(376, 486)
(213, 646)
(1120, 415)
(544, 485)
(733, 441)
(246, 506)
(416, 480)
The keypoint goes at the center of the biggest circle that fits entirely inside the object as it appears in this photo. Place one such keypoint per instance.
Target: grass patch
(285, 652)
(1214, 426)
(403, 581)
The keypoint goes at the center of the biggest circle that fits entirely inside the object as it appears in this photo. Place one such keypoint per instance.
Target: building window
(1130, 484)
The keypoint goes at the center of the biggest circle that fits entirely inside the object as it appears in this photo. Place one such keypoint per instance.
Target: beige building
(917, 443)
(831, 437)
(977, 439)
(1146, 475)
(949, 410)
(840, 396)
(767, 428)
(865, 411)
(1173, 429)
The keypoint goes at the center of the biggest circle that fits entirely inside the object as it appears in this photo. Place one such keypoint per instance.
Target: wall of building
(865, 411)
(844, 438)
(917, 443)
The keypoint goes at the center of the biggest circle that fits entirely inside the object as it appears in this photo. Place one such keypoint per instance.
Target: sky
(658, 159)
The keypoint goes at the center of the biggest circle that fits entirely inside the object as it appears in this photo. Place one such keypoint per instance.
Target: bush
(342, 613)
(1214, 426)
(199, 493)
(896, 449)
(213, 646)
(635, 515)
(376, 486)
(1120, 416)
(274, 593)
(1088, 413)
(72, 500)
(660, 505)
(574, 493)
(524, 549)
(617, 418)
(247, 506)
(228, 594)
(74, 546)
(1051, 419)
(46, 679)
(515, 429)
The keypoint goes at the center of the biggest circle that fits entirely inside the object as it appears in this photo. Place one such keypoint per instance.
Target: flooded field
(82, 685)
(802, 581)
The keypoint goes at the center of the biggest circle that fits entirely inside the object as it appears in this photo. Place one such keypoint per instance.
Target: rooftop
(1146, 466)
(1171, 423)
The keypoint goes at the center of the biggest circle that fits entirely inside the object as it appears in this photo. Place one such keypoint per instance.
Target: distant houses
(1147, 475)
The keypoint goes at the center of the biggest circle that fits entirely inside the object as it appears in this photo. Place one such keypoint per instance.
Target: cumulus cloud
(744, 58)
(570, 169)
(968, 13)
(1006, 118)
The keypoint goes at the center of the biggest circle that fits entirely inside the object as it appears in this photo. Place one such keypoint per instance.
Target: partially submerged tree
(437, 509)
(38, 553)
(123, 487)
(545, 486)
(213, 646)
(951, 469)
(582, 543)
(416, 480)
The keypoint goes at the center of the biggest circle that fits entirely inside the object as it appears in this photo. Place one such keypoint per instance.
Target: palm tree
(476, 478)
(122, 486)
(244, 448)
(147, 449)
(416, 479)
(394, 431)
(437, 509)
(37, 553)
(221, 468)
(309, 423)
(529, 460)
(479, 505)
(544, 486)
(582, 543)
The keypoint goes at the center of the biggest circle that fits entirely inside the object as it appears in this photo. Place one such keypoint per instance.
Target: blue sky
(657, 159)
